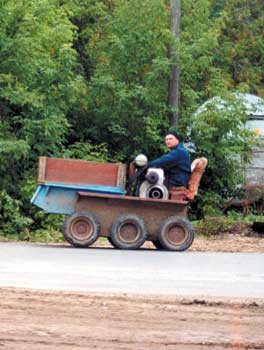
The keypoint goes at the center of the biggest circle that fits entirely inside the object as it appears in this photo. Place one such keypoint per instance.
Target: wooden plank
(121, 176)
(41, 169)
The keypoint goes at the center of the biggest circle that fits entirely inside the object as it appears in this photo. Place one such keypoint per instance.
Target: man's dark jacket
(176, 165)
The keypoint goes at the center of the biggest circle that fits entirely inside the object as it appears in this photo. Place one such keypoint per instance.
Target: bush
(219, 134)
(11, 220)
(235, 223)
(213, 226)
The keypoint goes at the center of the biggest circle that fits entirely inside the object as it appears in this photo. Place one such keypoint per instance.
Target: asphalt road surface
(142, 272)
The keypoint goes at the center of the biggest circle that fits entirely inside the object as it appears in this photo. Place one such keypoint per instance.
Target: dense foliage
(79, 78)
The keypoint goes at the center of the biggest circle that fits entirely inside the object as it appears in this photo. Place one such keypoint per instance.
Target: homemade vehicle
(128, 204)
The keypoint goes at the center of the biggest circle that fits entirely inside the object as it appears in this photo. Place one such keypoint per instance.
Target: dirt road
(61, 320)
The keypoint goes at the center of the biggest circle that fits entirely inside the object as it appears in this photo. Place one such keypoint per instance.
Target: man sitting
(176, 164)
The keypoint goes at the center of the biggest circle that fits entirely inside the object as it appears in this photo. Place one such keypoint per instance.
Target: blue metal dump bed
(61, 198)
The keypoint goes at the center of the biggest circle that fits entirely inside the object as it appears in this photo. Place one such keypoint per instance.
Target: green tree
(219, 134)
(241, 53)
(200, 77)
(39, 85)
(128, 98)
(87, 17)
(89, 79)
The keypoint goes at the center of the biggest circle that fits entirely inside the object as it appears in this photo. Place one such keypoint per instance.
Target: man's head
(172, 139)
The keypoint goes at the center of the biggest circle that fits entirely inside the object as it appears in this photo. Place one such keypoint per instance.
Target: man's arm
(166, 161)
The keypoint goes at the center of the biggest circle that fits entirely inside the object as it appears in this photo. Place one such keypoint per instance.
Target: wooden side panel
(73, 171)
(41, 170)
(121, 175)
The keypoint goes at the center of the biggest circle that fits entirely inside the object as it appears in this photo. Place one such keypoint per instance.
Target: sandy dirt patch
(43, 320)
(229, 243)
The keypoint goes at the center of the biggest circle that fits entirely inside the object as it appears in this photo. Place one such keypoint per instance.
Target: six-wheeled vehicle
(128, 204)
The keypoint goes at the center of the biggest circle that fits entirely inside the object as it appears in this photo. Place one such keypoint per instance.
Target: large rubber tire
(111, 242)
(81, 229)
(128, 232)
(176, 233)
(157, 244)
(258, 226)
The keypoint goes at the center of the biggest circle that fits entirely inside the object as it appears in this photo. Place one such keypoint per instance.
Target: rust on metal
(176, 234)
(129, 232)
(82, 228)
(108, 207)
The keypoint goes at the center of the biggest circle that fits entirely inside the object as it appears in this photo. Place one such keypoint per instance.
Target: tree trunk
(173, 95)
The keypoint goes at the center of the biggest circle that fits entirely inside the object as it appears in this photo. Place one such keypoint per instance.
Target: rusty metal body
(108, 207)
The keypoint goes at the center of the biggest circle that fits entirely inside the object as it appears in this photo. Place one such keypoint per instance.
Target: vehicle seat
(197, 169)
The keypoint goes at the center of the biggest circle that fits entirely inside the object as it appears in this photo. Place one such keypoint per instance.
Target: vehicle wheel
(111, 242)
(157, 244)
(81, 229)
(128, 232)
(176, 233)
(258, 226)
